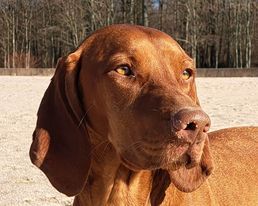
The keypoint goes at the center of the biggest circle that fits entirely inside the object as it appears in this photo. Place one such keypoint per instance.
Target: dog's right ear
(61, 147)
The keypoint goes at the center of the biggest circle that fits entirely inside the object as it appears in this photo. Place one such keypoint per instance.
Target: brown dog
(120, 124)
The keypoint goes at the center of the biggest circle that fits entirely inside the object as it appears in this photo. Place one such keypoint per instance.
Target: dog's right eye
(124, 70)
(187, 73)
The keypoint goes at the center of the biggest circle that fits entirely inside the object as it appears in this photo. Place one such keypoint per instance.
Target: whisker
(107, 145)
(83, 117)
(102, 154)
(98, 145)
(136, 145)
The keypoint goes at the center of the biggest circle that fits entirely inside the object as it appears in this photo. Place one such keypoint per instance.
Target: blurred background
(216, 33)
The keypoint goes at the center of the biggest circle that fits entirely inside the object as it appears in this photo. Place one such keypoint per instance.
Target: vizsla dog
(120, 124)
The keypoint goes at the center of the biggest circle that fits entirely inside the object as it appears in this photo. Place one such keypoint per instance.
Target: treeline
(216, 33)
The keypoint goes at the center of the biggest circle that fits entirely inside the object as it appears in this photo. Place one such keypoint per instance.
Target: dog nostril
(206, 128)
(188, 160)
(191, 126)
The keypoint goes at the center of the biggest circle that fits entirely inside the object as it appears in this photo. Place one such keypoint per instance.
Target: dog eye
(124, 70)
(187, 73)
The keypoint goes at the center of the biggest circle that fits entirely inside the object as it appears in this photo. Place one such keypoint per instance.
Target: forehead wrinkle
(174, 58)
(167, 56)
(156, 57)
(151, 61)
(120, 57)
(173, 49)
(139, 49)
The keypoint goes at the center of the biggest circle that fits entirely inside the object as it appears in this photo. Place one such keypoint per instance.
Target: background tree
(216, 33)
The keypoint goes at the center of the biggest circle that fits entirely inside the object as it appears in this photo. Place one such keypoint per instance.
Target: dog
(121, 124)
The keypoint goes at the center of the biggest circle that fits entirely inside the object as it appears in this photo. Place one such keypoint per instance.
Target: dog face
(134, 87)
(135, 83)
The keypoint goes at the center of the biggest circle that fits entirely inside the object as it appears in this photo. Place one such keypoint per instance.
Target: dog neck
(111, 183)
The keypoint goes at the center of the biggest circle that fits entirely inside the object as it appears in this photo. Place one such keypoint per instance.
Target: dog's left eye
(124, 70)
(187, 73)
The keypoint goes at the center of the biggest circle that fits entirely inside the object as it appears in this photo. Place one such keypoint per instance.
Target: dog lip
(176, 146)
(175, 165)
(152, 149)
(135, 167)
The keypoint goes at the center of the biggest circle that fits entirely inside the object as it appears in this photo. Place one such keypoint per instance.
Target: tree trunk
(161, 15)
(132, 12)
(123, 11)
(8, 45)
(13, 41)
(248, 36)
(26, 39)
(111, 12)
(236, 36)
(194, 36)
(92, 16)
(145, 21)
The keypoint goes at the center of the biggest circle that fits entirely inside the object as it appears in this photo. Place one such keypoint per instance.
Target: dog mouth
(173, 165)
(150, 158)
(169, 155)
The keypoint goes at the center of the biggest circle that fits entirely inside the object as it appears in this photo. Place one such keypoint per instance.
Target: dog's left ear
(188, 180)
(61, 146)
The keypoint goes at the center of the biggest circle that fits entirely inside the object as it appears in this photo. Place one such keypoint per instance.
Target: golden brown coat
(120, 124)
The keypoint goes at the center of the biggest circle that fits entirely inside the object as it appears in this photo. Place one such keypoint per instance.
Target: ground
(228, 101)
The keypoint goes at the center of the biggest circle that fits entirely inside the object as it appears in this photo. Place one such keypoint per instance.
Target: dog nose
(190, 123)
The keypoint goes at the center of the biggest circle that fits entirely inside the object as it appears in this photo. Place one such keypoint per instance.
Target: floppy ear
(60, 146)
(188, 180)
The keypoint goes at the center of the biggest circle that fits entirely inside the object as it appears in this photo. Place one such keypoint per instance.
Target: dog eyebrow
(120, 57)
(188, 62)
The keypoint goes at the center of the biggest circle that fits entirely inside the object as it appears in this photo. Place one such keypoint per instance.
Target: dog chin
(175, 165)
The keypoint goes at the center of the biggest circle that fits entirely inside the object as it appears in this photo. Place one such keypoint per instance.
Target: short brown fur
(109, 139)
